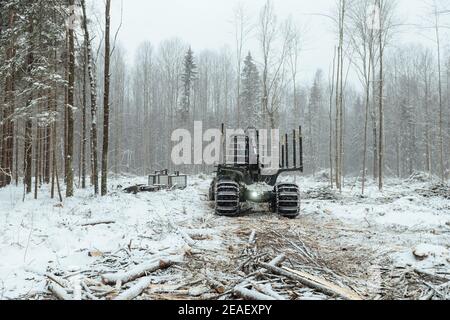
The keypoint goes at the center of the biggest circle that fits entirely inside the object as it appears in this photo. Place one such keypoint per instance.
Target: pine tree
(251, 93)
(188, 77)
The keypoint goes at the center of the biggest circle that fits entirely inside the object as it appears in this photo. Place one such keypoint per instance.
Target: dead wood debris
(271, 261)
(325, 193)
(438, 190)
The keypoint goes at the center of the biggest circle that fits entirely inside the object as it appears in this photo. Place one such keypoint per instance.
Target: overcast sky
(207, 24)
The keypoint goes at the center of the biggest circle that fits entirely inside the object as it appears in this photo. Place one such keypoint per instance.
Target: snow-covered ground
(36, 236)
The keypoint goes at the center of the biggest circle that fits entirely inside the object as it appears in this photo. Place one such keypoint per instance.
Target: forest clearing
(225, 150)
(390, 245)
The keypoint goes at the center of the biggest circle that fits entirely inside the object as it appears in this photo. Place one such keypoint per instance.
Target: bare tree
(340, 96)
(362, 40)
(330, 118)
(273, 74)
(105, 149)
(84, 137)
(70, 106)
(93, 94)
(242, 29)
(437, 28)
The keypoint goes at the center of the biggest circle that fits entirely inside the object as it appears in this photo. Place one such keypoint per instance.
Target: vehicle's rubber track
(287, 200)
(227, 198)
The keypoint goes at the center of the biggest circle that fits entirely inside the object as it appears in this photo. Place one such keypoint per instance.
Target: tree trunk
(366, 125)
(427, 128)
(381, 111)
(47, 142)
(93, 93)
(66, 102)
(331, 120)
(7, 134)
(36, 159)
(341, 105)
(336, 125)
(84, 136)
(28, 145)
(69, 109)
(105, 149)
(441, 116)
(28, 152)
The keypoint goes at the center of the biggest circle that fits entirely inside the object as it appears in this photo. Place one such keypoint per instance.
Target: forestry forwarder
(238, 180)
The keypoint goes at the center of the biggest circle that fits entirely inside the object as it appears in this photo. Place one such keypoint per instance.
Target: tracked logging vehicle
(244, 177)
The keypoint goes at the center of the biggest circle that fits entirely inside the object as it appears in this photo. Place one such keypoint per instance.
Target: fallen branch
(60, 281)
(267, 289)
(313, 282)
(278, 260)
(252, 237)
(136, 290)
(251, 294)
(182, 233)
(140, 270)
(436, 290)
(96, 222)
(431, 275)
(59, 292)
(275, 262)
(88, 292)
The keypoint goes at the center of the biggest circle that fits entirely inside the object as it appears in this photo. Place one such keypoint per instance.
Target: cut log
(58, 280)
(198, 291)
(268, 290)
(140, 270)
(278, 260)
(217, 286)
(314, 282)
(275, 262)
(135, 290)
(252, 237)
(95, 222)
(182, 233)
(59, 292)
(251, 294)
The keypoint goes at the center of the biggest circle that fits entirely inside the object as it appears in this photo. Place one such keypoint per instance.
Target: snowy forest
(54, 89)
(80, 119)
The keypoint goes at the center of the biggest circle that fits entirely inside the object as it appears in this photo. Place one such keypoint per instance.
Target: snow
(37, 235)
(433, 255)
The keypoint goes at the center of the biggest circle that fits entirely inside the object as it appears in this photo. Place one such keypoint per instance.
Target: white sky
(207, 24)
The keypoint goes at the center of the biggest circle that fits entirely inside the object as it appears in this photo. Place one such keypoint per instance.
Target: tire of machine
(212, 191)
(227, 198)
(287, 200)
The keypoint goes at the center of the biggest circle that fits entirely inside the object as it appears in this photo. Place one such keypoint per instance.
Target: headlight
(254, 195)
